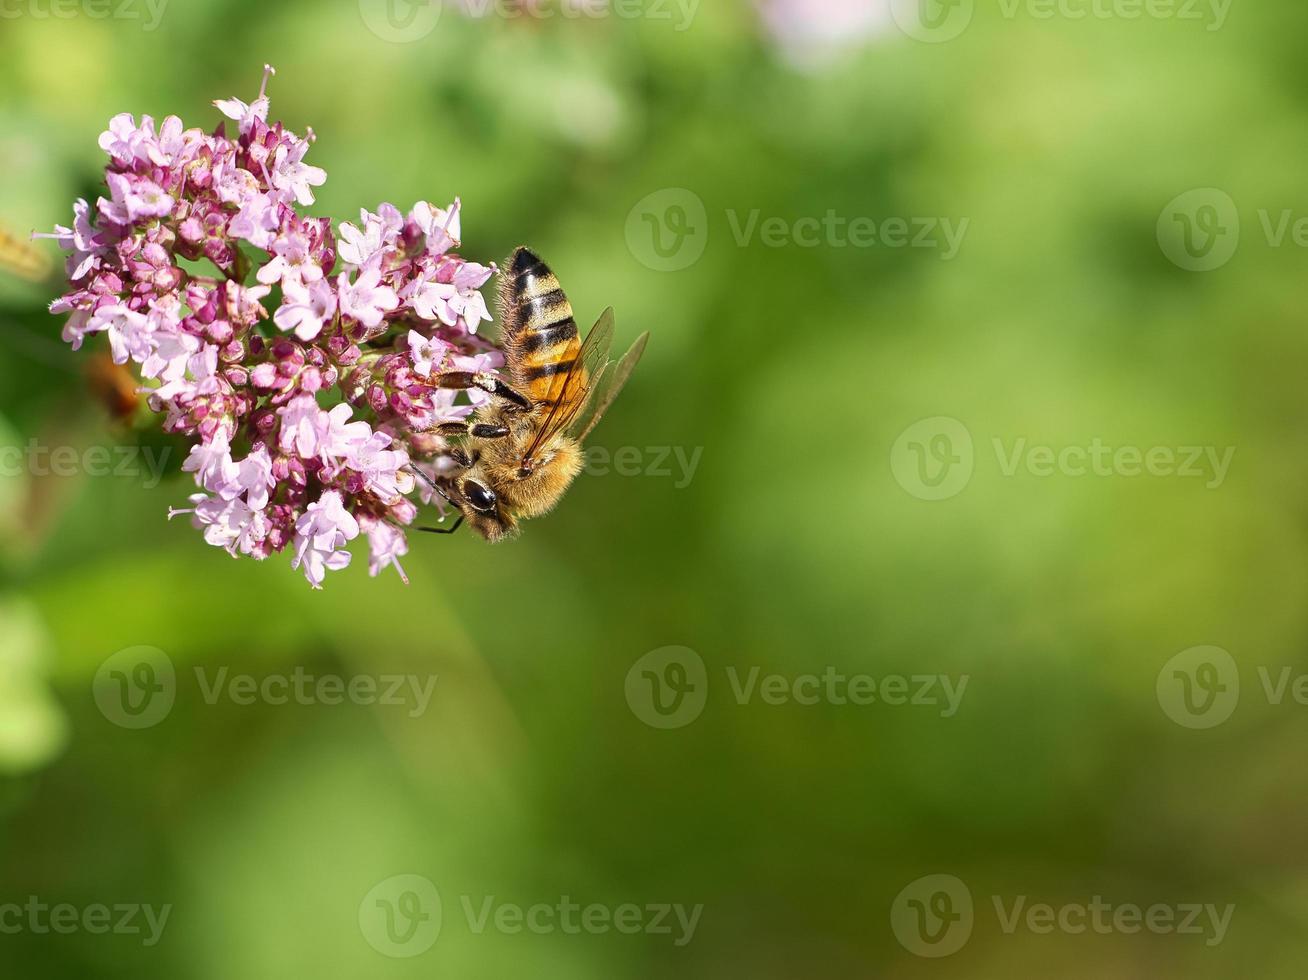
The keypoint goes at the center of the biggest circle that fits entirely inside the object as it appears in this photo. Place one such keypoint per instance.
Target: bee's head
(485, 510)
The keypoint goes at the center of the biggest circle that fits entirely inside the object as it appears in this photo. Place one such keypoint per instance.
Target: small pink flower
(248, 115)
(304, 427)
(380, 232)
(171, 350)
(426, 352)
(258, 221)
(321, 534)
(134, 199)
(252, 476)
(293, 263)
(387, 544)
(290, 174)
(443, 229)
(129, 332)
(211, 462)
(228, 524)
(383, 469)
(448, 302)
(306, 310)
(126, 142)
(83, 240)
(341, 437)
(366, 300)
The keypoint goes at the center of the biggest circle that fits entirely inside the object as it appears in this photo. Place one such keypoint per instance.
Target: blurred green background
(800, 544)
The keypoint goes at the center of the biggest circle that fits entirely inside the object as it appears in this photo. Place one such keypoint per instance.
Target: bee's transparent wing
(610, 385)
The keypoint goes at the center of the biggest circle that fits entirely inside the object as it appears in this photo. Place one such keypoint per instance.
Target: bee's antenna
(430, 483)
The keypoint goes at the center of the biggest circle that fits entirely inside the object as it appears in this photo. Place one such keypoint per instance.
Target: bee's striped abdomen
(539, 332)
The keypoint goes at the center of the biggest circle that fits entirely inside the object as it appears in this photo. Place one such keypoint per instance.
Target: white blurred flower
(812, 32)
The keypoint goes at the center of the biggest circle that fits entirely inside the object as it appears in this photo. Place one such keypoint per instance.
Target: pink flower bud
(220, 332)
(264, 376)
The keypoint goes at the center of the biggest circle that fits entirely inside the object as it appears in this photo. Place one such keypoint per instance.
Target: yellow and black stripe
(540, 334)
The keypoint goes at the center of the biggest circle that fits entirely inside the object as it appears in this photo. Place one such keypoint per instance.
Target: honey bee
(22, 258)
(521, 451)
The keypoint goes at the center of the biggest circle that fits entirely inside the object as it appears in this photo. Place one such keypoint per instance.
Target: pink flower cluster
(301, 362)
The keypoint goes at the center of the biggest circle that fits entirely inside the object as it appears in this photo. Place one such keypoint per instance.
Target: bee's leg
(462, 380)
(443, 530)
(478, 430)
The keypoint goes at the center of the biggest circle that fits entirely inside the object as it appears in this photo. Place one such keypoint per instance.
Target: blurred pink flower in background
(810, 33)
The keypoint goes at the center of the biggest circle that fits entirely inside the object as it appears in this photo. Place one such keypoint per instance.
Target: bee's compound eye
(481, 498)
